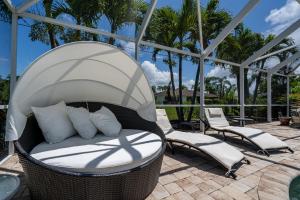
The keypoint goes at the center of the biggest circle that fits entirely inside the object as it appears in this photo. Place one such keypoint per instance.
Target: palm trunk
(181, 117)
(194, 93)
(78, 32)
(246, 88)
(53, 41)
(174, 99)
(238, 86)
(257, 82)
(255, 93)
(113, 30)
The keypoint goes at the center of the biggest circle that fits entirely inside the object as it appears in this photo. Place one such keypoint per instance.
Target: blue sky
(263, 18)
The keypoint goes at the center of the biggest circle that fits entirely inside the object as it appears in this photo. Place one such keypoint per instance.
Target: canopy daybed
(89, 75)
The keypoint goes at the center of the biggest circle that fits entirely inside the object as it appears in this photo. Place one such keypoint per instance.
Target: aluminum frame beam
(234, 22)
(242, 92)
(13, 66)
(269, 97)
(10, 6)
(287, 96)
(202, 95)
(200, 24)
(284, 63)
(272, 43)
(145, 22)
(294, 69)
(73, 26)
(27, 4)
(276, 52)
(174, 50)
(13, 53)
(146, 43)
(97, 31)
(223, 61)
(264, 70)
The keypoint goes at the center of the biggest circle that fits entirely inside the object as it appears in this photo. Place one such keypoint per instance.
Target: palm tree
(140, 9)
(261, 63)
(84, 13)
(185, 21)
(213, 21)
(237, 47)
(5, 14)
(45, 32)
(161, 30)
(122, 12)
(4, 90)
(219, 85)
(170, 28)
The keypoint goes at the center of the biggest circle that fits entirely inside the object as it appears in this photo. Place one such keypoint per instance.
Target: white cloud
(222, 72)
(155, 75)
(219, 72)
(66, 18)
(189, 83)
(281, 18)
(297, 71)
(271, 62)
(129, 47)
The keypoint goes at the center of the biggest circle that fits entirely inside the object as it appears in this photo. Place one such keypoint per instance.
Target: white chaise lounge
(226, 155)
(265, 142)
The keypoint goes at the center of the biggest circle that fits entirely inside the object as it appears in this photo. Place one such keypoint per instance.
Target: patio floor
(186, 175)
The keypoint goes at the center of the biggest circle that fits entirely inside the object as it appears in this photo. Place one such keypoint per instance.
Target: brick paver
(190, 175)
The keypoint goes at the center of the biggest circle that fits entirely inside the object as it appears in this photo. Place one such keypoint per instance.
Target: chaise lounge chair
(295, 117)
(226, 155)
(265, 142)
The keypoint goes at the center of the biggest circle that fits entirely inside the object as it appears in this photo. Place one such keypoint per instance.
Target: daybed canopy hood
(80, 72)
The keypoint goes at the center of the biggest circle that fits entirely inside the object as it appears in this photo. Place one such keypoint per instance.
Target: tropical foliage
(175, 28)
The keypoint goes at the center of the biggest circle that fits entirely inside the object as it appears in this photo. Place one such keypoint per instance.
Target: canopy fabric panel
(79, 72)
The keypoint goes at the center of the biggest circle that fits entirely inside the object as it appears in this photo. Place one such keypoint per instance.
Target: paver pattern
(189, 175)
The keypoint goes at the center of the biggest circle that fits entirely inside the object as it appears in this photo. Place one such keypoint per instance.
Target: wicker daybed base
(52, 183)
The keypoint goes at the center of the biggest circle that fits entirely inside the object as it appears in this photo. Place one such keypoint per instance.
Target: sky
(265, 18)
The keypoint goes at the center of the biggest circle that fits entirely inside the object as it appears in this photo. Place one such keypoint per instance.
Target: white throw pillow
(54, 122)
(80, 118)
(106, 122)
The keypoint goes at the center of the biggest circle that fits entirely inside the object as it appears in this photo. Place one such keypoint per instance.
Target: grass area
(172, 115)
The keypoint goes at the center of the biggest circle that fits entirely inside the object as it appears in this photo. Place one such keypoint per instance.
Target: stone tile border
(275, 182)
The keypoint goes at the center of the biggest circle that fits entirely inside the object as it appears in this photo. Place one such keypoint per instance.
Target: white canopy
(79, 72)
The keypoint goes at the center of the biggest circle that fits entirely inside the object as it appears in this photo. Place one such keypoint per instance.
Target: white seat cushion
(101, 153)
(226, 154)
(260, 138)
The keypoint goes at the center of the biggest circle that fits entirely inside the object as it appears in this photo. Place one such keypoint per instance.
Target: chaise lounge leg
(230, 173)
(224, 136)
(264, 152)
(247, 161)
(291, 150)
(170, 144)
